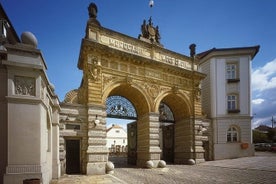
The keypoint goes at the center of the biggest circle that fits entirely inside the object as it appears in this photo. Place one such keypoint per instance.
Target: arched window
(232, 134)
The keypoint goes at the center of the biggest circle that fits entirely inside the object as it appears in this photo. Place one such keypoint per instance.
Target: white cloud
(264, 78)
(258, 101)
(264, 90)
(261, 121)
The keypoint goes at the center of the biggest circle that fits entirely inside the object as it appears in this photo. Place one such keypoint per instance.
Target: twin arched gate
(165, 134)
(150, 77)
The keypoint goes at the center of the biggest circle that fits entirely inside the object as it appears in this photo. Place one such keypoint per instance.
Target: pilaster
(184, 149)
(201, 127)
(97, 152)
(148, 140)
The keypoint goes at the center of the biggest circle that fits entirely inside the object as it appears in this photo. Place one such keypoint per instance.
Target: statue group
(150, 32)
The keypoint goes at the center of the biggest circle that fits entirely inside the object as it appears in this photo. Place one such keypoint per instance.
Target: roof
(250, 50)
(12, 35)
(114, 126)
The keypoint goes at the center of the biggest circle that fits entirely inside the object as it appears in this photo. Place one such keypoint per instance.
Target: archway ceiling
(178, 106)
(134, 96)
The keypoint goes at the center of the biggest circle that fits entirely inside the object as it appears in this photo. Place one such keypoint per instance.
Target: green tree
(259, 137)
(271, 135)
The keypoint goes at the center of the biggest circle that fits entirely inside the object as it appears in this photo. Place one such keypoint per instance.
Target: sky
(59, 26)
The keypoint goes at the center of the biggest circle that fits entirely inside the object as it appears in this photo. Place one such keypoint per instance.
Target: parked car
(262, 147)
(273, 147)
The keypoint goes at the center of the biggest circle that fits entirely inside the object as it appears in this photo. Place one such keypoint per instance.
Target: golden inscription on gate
(145, 52)
(121, 45)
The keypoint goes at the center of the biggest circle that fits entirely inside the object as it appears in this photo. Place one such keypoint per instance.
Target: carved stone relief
(42, 90)
(152, 89)
(197, 94)
(24, 86)
(129, 80)
(94, 68)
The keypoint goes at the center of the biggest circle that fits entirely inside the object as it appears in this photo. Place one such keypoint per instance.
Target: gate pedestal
(148, 140)
(97, 152)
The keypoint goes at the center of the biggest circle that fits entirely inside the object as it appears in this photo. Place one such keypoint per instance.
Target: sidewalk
(84, 179)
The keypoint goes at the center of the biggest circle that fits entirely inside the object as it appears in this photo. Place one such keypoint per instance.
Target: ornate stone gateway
(152, 79)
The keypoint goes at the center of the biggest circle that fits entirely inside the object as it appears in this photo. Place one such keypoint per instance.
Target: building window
(232, 104)
(232, 134)
(117, 131)
(232, 72)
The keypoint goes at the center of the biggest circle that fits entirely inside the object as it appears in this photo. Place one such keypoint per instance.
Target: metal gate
(168, 143)
(132, 143)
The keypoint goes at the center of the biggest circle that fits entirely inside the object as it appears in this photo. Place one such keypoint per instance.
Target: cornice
(89, 47)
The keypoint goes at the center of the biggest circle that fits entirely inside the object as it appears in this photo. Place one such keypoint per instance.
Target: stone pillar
(55, 146)
(199, 151)
(183, 149)
(148, 140)
(201, 128)
(62, 155)
(97, 152)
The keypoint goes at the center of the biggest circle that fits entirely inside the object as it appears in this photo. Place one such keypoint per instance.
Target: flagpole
(151, 3)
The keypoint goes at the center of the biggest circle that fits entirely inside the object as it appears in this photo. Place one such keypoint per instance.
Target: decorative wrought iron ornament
(120, 107)
(165, 113)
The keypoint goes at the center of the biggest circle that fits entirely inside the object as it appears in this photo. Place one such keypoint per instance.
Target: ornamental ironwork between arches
(120, 107)
(165, 113)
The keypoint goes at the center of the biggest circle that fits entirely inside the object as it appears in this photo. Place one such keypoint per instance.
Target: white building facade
(116, 136)
(226, 100)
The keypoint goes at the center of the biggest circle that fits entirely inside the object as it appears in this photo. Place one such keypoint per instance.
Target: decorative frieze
(24, 86)
(121, 45)
(17, 169)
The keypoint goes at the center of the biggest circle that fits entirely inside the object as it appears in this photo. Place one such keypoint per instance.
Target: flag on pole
(151, 3)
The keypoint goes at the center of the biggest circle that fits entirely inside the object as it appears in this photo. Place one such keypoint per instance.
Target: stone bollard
(149, 164)
(109, 168)
(162, 164)
(191, 162)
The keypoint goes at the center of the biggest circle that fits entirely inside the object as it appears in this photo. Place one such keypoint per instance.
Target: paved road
(258, 169)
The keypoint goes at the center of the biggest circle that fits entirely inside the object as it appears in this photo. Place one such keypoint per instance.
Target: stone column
(148, 141)
(201, 135)
(97, 152)
(55, 141)
(183, 149)
(199, 151)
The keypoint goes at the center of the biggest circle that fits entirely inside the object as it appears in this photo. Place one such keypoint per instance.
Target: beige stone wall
(32, 109)
(73, 125)
(3, 119)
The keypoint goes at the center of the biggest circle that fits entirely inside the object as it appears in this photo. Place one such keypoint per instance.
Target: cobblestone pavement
(258, 169)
